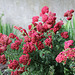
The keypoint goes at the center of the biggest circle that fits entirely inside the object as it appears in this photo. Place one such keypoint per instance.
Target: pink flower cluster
(36, 38)
(68, 44)
(68, 14)
(57, 26)
(24, 59)
(23, 31)
(35, 19)
(48, 19)
(27, 39)
(68, 53)
(4, 41)
(17, 42)
(11, 35)
(18, 72)
(13, 65)
(48, 42)
(39, 45)
(29, 27)
(33, 38)
(64, 35)
(15, 73)
(36, 34)
(2, 59)
(44, 10)
(28, 48)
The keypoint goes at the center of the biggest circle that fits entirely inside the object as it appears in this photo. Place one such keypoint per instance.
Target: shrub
(35, 54)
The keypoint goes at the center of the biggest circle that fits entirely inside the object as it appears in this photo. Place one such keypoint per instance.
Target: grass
(70, 27)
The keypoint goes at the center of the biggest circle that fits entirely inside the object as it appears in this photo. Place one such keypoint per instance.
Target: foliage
(70, 27)
(35, 54)
(6, 28)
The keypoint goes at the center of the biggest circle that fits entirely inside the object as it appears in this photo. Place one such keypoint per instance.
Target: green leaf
(9, 29)
(73, 22)
(1, 28)
(1, 73)
(73, 28)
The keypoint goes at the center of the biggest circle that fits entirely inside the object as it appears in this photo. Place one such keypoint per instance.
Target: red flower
(68, 44)
(39, 45)
(44, 18)
(57, 26)
(23, 31)
(2, 59)
(64, 55)
(68, 14)
(29, 27)
(24, 59)
(48, 41)
(51, 14)
(0, 35)
(18, 28)
(45, 9)
(28, 48)
(13, 65)
(16, 44)
(35, 19)
(27, 39)
(29, 62)
(11, 35)
(22, 69)
(64, 35)
(15, 73)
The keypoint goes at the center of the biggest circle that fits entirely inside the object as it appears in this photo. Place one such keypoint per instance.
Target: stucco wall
(20, 12)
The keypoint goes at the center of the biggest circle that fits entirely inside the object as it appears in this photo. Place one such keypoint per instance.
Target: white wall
(20, 12)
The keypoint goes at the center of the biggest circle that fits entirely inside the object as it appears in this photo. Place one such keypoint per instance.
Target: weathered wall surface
(20, 12)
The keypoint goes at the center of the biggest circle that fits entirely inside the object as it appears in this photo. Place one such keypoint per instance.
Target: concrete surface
(20, 12)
